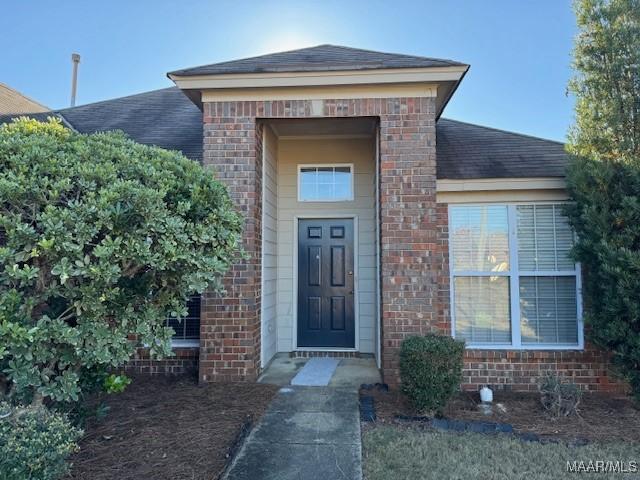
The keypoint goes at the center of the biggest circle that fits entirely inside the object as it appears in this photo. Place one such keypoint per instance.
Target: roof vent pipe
(75, 58)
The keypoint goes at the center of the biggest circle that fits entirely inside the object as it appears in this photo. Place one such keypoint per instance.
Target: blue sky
(519, 51)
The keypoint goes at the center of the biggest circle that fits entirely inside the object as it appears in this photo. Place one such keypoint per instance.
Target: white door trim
(356, 312)
(263, 360)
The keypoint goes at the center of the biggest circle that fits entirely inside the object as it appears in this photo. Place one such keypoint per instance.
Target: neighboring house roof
(14, 102)
(167, 118)
(319, 58)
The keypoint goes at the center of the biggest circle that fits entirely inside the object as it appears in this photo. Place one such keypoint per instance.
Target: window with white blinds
(513, 283)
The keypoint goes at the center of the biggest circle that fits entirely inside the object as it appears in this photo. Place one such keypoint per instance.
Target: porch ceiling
(361, 127)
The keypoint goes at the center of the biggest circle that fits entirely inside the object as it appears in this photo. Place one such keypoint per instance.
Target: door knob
(350, 272)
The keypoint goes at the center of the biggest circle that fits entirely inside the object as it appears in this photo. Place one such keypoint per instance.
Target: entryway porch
(320, 256)
(350, 373)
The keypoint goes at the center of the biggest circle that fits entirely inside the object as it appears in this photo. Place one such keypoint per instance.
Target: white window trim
(332, 165)
(514, 285)
(190, 343)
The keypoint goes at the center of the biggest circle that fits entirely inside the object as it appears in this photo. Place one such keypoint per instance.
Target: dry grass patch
(391, 452)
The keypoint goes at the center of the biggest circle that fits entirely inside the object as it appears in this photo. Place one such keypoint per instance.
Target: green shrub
(431, 370)
(34, 443)
(103, 238)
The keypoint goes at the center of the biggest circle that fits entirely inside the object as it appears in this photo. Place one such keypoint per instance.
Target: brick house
(368, 218)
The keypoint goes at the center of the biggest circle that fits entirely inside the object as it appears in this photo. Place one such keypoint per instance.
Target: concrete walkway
(307, 433)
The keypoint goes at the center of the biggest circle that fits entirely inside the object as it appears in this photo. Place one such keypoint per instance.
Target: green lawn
(412, 454)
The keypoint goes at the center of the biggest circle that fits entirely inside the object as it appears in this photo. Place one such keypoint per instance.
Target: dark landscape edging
(368, 414)
(367, 404)
(238, 442)
(487, 428)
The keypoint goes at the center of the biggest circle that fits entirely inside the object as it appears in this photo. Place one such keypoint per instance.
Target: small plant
(559, 399)
(34, 443)
(116, 383)
(431, 370)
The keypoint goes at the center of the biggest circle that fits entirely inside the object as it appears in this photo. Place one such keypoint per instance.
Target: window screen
(187, 328)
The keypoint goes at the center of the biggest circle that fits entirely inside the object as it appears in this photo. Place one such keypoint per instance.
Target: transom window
(187, 329)
(513, 283)
(325, 183)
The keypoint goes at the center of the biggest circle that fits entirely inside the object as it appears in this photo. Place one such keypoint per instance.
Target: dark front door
(325, 283)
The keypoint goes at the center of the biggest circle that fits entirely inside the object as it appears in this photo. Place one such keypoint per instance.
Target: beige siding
(360, 153)
(269, 247)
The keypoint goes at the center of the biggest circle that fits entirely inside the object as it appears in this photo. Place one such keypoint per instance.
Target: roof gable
(318, 58)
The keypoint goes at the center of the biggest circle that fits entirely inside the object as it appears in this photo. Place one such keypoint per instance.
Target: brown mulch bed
(602, 417)
(168, 428)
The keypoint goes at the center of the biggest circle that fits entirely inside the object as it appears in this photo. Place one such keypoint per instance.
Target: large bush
(431, 370)
(604, 177)
(103, 238)
(34, 443)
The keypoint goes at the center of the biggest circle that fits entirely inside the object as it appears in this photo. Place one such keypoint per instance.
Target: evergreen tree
(604, 176)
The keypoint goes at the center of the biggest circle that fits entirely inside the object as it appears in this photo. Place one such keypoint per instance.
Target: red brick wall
(521, 370)
(185, 361)
(516, 369)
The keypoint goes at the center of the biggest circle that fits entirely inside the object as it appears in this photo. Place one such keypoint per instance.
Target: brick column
(411, 240)
(230, 323)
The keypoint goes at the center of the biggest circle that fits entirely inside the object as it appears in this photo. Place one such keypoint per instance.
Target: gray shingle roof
(318, 58)
(466, 151)
(167, 118)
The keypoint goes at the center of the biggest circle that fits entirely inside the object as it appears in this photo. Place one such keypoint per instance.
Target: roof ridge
(66, 109)
(504, 131)
(8, 87)
(246, 58)
(392, 53)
